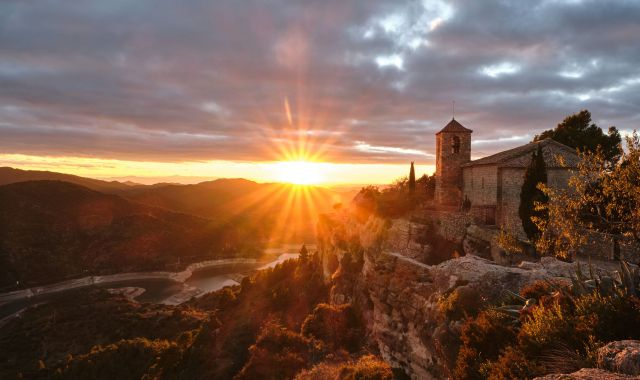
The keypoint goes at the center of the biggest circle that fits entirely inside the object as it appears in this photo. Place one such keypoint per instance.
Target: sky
(196, 89)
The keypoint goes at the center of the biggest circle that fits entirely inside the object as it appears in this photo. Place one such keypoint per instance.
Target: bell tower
(453, 149)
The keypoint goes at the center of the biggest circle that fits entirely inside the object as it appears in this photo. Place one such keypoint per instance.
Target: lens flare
(299, 172)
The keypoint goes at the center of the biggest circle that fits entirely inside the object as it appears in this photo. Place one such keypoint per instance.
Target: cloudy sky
(213, 87)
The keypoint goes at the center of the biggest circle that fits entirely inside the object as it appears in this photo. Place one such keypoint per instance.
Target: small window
(455, 144)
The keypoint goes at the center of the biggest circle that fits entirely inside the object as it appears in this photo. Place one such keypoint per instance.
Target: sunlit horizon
(150, 172)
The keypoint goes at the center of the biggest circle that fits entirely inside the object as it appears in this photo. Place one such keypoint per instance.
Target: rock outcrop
(587, 374)
(616, 360)
(414, 311)
(621, 356)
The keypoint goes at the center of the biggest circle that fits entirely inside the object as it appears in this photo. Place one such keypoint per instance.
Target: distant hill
(11, 175)
(51, 230)
(288, 211)
(240, 214)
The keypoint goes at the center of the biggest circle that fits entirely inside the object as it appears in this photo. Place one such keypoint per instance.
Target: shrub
(547, 293)
(462, 302)
(337, 326)
(135, 358)
(558, 334)
(537, 289)
(546, 327)
(483, 338)
(366, 368)
(608, 318)
(512, 364)
(280, 354)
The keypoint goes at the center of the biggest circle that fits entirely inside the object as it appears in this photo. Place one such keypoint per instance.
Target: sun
(299, 172)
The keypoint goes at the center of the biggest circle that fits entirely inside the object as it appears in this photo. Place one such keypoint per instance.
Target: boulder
(587, 374)
(621, 356)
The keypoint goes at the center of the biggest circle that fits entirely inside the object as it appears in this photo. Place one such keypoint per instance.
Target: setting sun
(299, 172)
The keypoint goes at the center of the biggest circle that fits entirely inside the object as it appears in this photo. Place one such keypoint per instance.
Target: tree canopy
(578, 131)
(600, 197)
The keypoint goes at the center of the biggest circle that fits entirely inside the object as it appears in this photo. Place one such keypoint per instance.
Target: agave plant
(517, 306)
(625, 283)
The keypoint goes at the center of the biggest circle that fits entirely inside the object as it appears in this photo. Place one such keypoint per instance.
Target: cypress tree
(530, 194)
(412, 179)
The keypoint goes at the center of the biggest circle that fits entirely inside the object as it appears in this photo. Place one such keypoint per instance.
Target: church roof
(454, 126)
(521, 156)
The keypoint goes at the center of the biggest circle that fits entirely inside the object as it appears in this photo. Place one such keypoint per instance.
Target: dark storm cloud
(365, 80)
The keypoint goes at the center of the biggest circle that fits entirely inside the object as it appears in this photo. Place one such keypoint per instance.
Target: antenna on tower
(453, 109)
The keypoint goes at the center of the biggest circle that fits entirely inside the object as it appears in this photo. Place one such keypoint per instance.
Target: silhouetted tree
(578, 131)
(427, 185)
(412, 179)
(535, 174)
(304, 253)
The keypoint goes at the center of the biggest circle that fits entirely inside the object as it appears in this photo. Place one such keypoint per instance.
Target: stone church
(493, 183)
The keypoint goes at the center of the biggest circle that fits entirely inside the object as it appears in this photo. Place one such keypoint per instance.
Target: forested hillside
(52, 230)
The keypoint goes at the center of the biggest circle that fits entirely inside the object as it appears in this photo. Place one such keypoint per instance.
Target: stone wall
(601, 246)
(511, 180)
(451, 225)
(481, 184)
(401, 238)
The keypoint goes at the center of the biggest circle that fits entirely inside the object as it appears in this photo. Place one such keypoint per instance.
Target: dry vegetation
(274, 326)
(557, 330)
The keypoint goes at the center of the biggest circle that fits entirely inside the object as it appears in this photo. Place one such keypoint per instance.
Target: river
(169, 291)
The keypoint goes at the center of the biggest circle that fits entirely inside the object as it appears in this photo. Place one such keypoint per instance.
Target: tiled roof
(454, 126)
(521, 156)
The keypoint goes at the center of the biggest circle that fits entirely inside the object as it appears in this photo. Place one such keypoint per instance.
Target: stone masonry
(492, 184)
(453, 149)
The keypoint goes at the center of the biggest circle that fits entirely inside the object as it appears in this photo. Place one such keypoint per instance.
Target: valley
(153, 287)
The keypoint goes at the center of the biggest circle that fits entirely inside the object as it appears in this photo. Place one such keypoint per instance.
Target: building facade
(493, 183)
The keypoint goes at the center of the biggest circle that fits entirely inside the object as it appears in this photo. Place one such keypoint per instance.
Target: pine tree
(578, 131)
(412, 179)
(530, 194)
(304, 253)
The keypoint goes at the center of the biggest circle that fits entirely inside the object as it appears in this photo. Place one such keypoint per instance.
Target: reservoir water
(160, 290)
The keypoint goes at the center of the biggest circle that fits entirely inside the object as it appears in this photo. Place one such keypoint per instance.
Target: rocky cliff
(414, 311)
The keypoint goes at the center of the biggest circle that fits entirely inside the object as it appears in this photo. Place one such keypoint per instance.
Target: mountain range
(56, 226)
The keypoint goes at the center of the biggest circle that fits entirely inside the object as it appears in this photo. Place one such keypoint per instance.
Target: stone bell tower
(453, 149)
